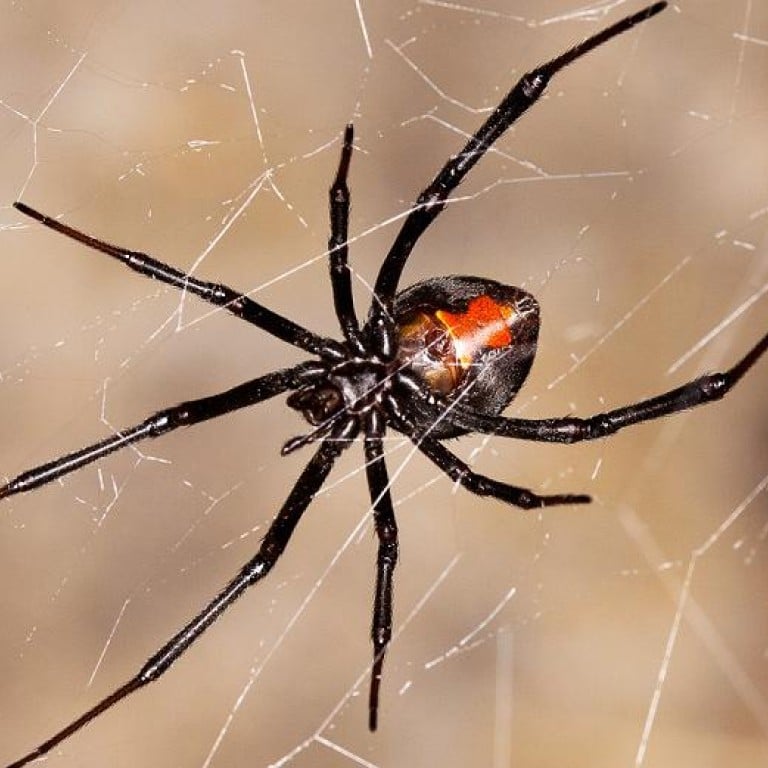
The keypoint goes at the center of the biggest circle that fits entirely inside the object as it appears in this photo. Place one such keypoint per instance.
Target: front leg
(523, 95)
(214, 293)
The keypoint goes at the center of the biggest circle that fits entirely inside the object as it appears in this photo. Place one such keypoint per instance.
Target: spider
(440, 359)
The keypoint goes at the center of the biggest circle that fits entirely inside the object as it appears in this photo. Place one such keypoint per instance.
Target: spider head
(354, 386)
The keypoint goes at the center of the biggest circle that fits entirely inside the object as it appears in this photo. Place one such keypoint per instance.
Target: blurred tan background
(633, 202)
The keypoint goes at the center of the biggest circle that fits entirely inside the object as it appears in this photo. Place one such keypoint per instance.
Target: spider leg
(386, 530)
(339, 251)
(455, 468)
(571, 429)
(432, 200)
(272, 546)
(166, 420)
(214, 293)
(481, 485)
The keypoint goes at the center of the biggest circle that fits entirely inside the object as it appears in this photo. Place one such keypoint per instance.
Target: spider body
(464, 338)
(436, 360)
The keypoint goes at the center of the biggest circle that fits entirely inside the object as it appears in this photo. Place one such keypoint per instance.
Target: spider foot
(529, 500)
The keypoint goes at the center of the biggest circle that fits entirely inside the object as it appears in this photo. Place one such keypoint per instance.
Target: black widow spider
(439, 359)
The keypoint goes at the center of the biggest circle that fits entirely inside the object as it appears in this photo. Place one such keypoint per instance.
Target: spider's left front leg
(386, 531)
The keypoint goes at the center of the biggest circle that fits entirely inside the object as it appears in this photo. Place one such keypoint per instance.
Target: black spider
(439, 359)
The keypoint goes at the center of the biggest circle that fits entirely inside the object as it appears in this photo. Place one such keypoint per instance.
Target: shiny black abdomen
(496, 373)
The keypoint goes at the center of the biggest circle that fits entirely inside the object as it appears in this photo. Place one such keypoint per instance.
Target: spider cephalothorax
(439, 359)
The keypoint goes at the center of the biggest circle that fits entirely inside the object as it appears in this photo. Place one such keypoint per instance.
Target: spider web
(632, 201)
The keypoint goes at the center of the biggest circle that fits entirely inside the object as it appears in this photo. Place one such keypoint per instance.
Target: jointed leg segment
(339, 250)
(572, 429)
(272, 546)
(162, 422)
(481, 485)
(386, 560)
(214, 293)
(523, 95)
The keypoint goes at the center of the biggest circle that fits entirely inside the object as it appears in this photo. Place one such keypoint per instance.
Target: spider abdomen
(467, 337)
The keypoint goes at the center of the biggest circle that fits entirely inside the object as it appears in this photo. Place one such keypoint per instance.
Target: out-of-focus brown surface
(632, 201)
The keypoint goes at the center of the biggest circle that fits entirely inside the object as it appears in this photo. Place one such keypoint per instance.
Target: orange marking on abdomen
(483, 325)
